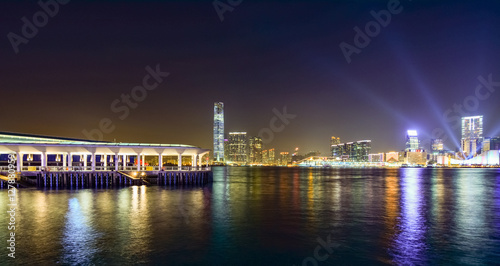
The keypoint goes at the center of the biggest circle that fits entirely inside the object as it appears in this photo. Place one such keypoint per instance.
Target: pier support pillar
(19, 163)
(179, 161)
(65, 161)
(117, 162)
(44, 160)
(138, 162)
(124, 162)
(160, 162)
(70, 161)
(93, 161)
(105, 162)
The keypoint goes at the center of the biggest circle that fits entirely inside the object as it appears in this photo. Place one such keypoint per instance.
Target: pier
(53, 162)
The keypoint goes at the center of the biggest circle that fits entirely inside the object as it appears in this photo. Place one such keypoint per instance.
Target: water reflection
(271, 216)
(473, 198)
(80, 238)
(409, 246)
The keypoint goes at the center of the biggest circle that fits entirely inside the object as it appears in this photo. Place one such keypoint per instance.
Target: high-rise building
(218, 132)
(265, 157)
(285, 158)
(490, 144)
(237, 148)
(472, 135)
(271, 158)
(334, 141)
(412, 142)
(352, 151)
(255, 147)
(361, 149)
(437, 145)
(338, 150)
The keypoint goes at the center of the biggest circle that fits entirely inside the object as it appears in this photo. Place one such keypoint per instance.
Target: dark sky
(264, 55)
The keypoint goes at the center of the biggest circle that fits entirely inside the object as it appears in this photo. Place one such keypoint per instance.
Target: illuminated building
(361, 150)
(375, 158)
(265, 157)
(285, 158)
(218, 132)
(392, 157)
(472, 135)
(412, 142)
(352, 151)
(255, 150)
(226, 149)
(271, 160)
(334, 142)
(437, 145)
(237, 148)
(490, 144)
(338, 150)
(415, 157)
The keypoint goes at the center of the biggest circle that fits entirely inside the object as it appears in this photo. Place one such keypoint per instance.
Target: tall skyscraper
(218, 132)
(255, 147)
(334, 142)
(271, 158)
(472, 135)
(412, 142)
(238, 148)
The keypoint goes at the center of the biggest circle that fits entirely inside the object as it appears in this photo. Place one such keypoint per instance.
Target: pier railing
(106, 168)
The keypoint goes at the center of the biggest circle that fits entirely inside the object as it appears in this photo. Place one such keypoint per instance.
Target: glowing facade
(218, 132)
(237, 148)
(472, 135)
(255, 147)
(412, 142)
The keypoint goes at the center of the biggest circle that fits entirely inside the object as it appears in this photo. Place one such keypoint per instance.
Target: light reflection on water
(270, 216)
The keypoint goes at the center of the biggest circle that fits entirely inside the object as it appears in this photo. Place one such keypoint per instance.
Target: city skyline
(254, 72)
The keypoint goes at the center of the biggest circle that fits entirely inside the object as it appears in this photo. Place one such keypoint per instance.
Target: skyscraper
(412, 142)
(255, 147)
(218, 132)
(472, 135)
(237, 148)
(333, 145)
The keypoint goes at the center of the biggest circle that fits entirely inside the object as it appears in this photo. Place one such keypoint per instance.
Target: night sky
(264, 55)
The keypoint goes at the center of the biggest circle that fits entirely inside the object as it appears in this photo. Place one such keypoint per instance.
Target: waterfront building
(362, 148)
(265, 157)
(226, 149)
(36, 153)
(412, 142)
(490, 144)
(271, 158)
(392, 157)
(437, 145)
(238, 148)
(218, 155)
(334, 141)
(337, 150)
(415, 157)
(255, 150)
(375, 158)
(285, 159)
(352, 151)
(472, 135)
